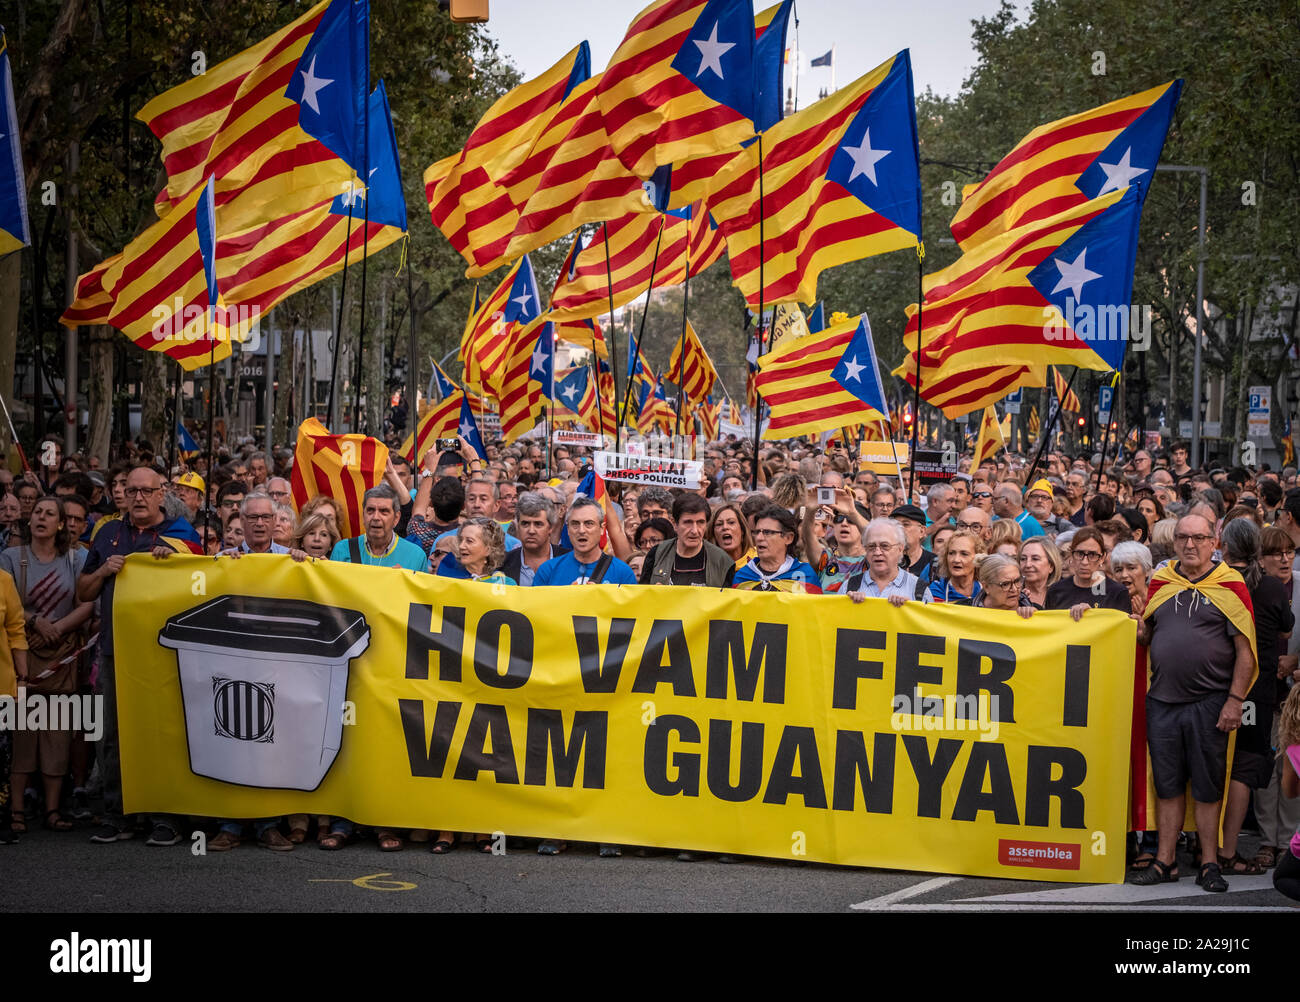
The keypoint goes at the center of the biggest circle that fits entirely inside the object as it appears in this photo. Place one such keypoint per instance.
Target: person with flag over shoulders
(144, 529)
(1199, 631)
(776, 565)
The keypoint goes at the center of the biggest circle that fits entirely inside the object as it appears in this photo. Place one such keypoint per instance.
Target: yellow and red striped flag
(439, 421)
(840, 182)
(573, 177)
(1067, 162)
(691, 368)
(512, 305)
(654, 413)
(632, 242)
(710, 418)
(796, 381)
(164, 291)
(235, 122)
(576, 393)
(342, 467)
(474, 195)
(521, 397)
(681, 84)
(1068, 398)
(989, 439)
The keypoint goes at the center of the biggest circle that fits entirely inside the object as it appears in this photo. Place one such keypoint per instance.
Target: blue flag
(205, 222)
(184, 440)
(444, 382)
(717, 55)
(858, 372)
(542, 366)
(769, 63)
(817, 319)
(1089, 278)
(827, 60)
(468, 429)
(329, 83)
(383, 190)
(524, 305)
(15, 230)
(1131, 157)
(573, 387)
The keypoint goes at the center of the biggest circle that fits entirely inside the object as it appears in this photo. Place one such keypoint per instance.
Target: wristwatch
(425, 474)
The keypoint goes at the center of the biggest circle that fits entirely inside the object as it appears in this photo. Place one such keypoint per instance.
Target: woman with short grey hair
(1001, 585)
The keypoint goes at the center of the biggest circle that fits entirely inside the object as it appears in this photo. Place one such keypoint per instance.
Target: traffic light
(471, 11)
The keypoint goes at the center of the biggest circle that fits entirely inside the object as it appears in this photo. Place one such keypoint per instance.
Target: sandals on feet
(1211, 878)
(1157, 873)
(1239, 866)
(332, 840)
(18, 823)
(56, 822)
(389, 843)
(1267, 856)
(1143, 861)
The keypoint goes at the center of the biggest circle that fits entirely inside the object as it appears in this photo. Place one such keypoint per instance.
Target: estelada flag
(1065, 163)
(1224, 588)
(15, 229)
(1068, 398)
(840, 181)
(681, 84)
(342, 467)
(990, 437)
(439, 421)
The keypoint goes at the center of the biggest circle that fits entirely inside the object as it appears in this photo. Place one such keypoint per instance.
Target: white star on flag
(853, 367)
(465, 429)
(539, 359)
(711, 53)
(1119, 175)
(312, 85)
(570, 392)
(355, 194)
(865, 158)
(523, 301)
(1074, 274)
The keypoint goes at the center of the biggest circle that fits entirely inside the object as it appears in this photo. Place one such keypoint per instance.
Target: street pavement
(64, 872)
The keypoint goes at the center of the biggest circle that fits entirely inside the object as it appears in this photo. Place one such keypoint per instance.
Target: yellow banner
(945, 739)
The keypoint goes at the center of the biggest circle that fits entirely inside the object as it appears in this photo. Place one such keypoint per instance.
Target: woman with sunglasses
(1087, 586)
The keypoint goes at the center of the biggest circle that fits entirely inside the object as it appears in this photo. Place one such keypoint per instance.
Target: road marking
(886, 900)
(369, 882)
(1118, 894)
(1054, 909)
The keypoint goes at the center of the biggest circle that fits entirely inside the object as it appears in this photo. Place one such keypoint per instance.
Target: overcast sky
(536, 33)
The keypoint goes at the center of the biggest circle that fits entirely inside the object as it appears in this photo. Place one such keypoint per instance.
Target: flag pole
(1105, 434)
(176, 421)
(612, 341)
(681, 342)
(894, 449)
(1047, 428)
(916, 388)
(365, 248)
(338, 319)
(636, 345)
(594, 368)
(758, 397)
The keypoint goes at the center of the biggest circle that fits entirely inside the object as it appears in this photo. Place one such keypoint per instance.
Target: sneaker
(550, 848)
(688, 856)
(106, 833)
(80, 810)
(223, 842)
(163, 834)
(273, 840)
(610, 851)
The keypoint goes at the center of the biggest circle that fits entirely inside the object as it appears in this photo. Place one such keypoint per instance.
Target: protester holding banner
(1001, 586)
(955, 581)
(848, 524)
(480, 552)
(1088, 587)
(380, 546)
(316, 535)
(1201, 638)
(775, 565)
(882, 576)
(585, 563)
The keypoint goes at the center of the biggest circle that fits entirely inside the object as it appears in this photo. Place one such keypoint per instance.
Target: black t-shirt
(1065, 594)
(1192, 649)
(1079, 518)
(1273, 617)
(686, 570)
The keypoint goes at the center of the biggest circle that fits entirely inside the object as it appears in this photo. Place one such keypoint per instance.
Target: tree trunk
(286, 366)
(99, 392)
(154, 388)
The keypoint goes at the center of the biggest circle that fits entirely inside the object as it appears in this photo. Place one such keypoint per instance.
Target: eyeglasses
(259, 518)
(133, 492)
(982, 494)
(879, 546)
(769, 532)
(1088, 555)
(1011, 585)
(972, 526)
(1288, 553)
(1199, 538)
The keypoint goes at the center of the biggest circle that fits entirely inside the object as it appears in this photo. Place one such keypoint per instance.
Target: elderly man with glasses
(882, 577)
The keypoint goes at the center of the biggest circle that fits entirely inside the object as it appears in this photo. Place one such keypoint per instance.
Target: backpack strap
(354, 550)
(601, 569)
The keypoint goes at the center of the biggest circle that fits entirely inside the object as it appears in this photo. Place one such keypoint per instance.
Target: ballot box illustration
(264, 681)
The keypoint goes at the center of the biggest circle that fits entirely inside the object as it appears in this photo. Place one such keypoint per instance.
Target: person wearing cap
(1038, 500)
(1007, 503)
(191, 490)
(917, 560)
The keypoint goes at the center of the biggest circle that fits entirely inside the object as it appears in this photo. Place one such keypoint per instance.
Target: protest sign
(778, 725)
(662, 472)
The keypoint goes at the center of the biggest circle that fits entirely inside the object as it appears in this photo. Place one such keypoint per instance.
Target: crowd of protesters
(1069, 536)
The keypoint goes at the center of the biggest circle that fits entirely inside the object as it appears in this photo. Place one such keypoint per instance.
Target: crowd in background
(1072, 535)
